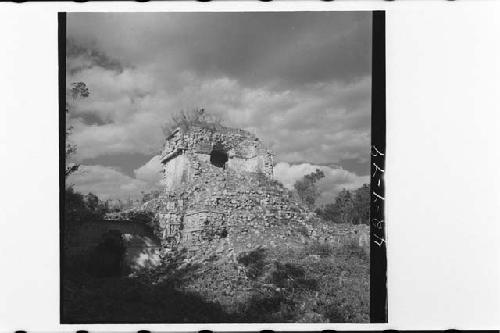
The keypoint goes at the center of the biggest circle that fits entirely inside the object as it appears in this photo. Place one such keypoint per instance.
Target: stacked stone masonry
(220, 198)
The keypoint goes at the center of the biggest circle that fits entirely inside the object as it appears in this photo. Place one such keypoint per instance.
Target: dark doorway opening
(218, 157)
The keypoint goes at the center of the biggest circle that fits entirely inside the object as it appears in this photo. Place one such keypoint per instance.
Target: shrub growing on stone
(185, 119)
(254, 261)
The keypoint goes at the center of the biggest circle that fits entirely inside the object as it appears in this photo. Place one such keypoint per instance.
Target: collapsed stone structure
(220, 196)
(221, 204)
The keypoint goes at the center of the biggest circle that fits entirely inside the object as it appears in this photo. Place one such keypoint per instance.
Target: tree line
(349, 206)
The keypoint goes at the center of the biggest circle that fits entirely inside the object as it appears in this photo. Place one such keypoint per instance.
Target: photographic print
(221, 168)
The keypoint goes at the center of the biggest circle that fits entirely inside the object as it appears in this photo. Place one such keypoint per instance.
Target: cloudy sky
(300, 81)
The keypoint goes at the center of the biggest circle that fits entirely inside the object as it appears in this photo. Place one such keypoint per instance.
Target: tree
(349, 207)
(306, 188)
(119, 205)
(147, 196)
(92, 202)
(345, 206)
(79, 209)
(329, 212)
(106, 206)
(78, 89)
(361, 207)
(340, 211)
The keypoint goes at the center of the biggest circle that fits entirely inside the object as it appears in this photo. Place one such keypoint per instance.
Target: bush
(184, 120)
(290, 275)
(254, 261)
(79, 209)
(317, 248)
(106, 259)
(349, 207)
(304, 231)
(354, 250)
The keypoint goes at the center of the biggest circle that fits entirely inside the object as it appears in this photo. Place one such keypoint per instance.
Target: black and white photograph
(217, 167)
(249, 166)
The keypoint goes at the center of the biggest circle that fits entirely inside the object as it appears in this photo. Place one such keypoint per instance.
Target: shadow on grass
(157, 296)
(127, 300)
(91, 298)
(281, 291)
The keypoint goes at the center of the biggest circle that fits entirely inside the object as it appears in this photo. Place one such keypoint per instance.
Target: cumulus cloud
(320, 124)
(299, 81)
(334, 181)
(107, 182)
(151, 172)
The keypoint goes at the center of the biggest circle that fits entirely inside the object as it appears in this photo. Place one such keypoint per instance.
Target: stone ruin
(220, 198)
(222, 205)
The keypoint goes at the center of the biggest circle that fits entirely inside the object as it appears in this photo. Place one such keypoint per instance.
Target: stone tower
(188, 155)
(220, 198)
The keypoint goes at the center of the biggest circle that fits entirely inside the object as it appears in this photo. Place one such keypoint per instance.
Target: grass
(321, 249)
(341, 292)
(288, 286)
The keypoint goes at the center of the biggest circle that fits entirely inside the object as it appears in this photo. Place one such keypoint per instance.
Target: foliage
(78, 89)
(145, 217)
(254, 261)
(303, 231)
(349, 207)
(92, 202)
(185, 119)
(317, 248)
(341, 292)
(284, 287)
(78, 209)
(147, 196)
(362, 204)
(306, 187)
(289, 275)
(119, 205)
(344, 205)
(107, 257)
(140, 216)
(133, 299)
(331, 288)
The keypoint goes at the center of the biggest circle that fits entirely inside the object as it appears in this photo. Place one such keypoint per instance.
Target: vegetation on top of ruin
(184, 120)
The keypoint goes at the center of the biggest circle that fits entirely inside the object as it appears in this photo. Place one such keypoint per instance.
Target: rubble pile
(221, 204)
